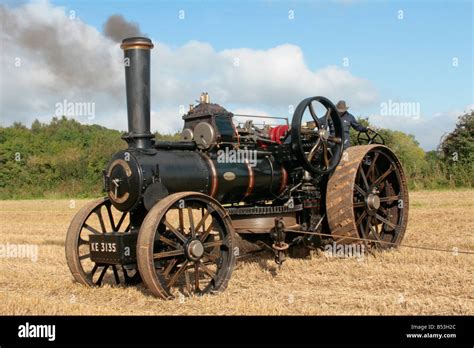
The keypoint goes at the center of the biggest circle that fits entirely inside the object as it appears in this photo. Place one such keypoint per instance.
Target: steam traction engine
(173, 208)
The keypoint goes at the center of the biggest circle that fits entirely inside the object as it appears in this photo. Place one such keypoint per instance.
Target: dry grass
(405, 281)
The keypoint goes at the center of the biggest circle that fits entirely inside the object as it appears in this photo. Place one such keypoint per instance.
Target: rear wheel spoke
(385, 221)
(359, 189)
(374, 231)
(384, 211)
(383, 176)
(370, 171)
(365, 230)
(361, 217)
(364, 178)
(211, 257)
(389, 199)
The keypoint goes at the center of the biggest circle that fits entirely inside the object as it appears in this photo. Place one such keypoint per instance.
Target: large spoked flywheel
(318, 147)
(367, 197)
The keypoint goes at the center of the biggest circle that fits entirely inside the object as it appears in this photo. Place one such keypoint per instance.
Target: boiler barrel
(227, 182)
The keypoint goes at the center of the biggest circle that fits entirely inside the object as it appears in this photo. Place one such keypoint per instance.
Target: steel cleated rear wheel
(367, 197)
(185, 246)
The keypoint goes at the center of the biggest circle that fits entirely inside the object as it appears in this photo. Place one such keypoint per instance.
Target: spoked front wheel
(185, 245)
(97, 218)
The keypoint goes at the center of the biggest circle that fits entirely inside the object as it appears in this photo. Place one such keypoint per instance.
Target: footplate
(113, 248)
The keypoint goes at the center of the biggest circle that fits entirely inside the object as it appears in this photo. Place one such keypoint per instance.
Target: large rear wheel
(367, 197)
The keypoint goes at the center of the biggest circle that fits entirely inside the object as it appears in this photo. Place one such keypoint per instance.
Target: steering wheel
(318, 149)
(370, 137)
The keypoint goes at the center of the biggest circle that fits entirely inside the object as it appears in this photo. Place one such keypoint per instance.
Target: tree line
(64, 158)
(450, 166)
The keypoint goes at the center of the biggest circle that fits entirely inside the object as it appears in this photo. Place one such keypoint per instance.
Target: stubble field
(404, 281)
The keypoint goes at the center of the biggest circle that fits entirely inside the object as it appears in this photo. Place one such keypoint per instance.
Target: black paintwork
(137, 80)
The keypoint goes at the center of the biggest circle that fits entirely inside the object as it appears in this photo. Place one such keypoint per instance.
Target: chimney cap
(136, 42)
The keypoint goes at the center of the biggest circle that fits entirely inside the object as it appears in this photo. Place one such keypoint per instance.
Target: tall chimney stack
(136, 52)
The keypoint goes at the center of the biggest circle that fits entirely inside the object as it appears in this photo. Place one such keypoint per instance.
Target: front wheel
(97, 218)
(185, 245)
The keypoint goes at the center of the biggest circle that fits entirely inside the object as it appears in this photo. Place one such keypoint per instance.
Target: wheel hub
(373, 201)
(195, 249)
(324, 134)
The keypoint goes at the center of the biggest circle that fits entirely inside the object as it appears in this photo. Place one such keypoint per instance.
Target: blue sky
(409, 59)
(405, 60)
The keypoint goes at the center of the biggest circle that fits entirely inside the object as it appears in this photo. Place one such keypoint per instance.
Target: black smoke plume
(118, 28)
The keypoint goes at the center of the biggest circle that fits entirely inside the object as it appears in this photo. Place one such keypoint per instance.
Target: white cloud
(247, 114)
(63, 58)
(48, 57)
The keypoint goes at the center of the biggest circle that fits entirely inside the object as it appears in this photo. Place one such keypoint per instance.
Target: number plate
(113, 248)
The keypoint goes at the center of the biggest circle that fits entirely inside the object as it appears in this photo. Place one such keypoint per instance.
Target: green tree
(457, 149)
(65, 158)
